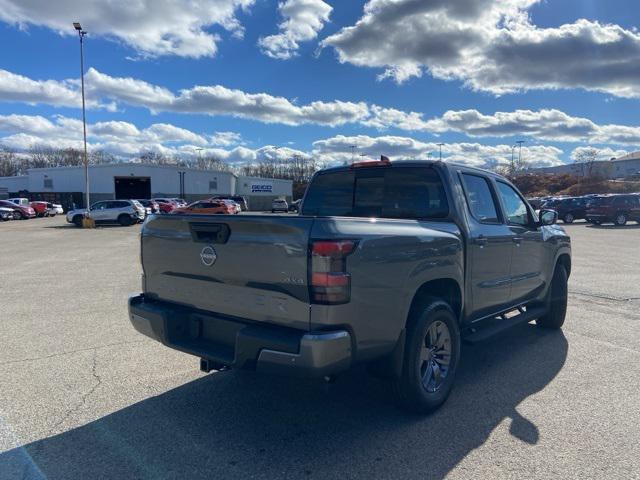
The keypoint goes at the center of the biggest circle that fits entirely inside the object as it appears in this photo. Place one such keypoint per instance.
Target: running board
(500, 324)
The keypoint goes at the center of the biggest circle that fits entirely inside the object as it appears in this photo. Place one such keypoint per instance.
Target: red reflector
(329, 279)
(329, 249)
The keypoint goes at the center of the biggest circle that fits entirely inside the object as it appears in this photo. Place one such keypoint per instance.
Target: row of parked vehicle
(130, 211)
(23, 209)
(597, 209)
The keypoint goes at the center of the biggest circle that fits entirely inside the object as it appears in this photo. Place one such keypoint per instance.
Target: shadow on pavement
(628, 226)
(240, 424)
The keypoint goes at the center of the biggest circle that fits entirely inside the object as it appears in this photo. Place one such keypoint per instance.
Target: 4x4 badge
(208, 256)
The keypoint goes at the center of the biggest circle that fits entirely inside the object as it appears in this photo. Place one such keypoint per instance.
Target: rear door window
(480, 199)
(400, 192)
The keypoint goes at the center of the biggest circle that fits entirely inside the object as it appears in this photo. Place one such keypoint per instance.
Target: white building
(626, 166)
(133, 180)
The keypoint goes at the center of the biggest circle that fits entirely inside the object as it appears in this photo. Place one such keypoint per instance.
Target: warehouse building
(627, 166)
(65, 185)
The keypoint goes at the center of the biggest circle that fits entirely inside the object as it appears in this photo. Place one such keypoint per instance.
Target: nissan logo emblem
(208, 256)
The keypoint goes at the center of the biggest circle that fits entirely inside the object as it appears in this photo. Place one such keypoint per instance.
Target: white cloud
(18, 88)
(303, 20)
(490, 45)
(338, 149)
(102, 89)
(219, 100)
(151, 27)
(225, 139)
(124, 139)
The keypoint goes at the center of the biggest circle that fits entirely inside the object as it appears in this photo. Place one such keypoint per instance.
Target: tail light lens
(329, 281)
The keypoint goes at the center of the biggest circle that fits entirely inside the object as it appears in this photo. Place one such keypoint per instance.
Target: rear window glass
(400, 192)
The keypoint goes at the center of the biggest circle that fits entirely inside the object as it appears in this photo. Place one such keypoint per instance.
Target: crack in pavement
(70, 352)
(604, 296)
(85, 396)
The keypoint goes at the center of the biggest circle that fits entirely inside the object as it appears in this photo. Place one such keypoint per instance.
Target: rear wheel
(556, 301)
(620, 220)
(124, 220)
(431, 356)
(568, 218)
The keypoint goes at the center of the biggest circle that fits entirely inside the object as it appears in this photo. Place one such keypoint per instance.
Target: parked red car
(207, 207)
(616, 209)
(165, 205)
(41, 208)
(24, 211)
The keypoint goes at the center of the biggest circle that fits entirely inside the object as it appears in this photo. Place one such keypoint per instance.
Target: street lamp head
(77, 26)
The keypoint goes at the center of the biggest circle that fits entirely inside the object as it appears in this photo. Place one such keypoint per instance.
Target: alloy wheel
(435, 356)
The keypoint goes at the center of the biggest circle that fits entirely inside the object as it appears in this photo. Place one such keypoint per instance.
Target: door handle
(481, 241)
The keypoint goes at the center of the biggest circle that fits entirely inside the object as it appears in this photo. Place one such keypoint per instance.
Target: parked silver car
(279, 205)
(124, 212)
(6, 214)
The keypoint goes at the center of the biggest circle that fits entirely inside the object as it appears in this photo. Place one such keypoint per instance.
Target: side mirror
(548, 217)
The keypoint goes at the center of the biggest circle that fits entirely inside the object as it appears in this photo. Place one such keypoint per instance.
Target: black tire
(21, 216)
(556, 301)
(124, 220)
(410, 391)
(568, 218)
(77, 220)
(621, 219)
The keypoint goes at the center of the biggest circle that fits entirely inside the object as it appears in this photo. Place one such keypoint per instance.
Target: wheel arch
(564, 259)
(446, 289)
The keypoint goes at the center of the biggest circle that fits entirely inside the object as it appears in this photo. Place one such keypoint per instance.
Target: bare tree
(211, 162)
(98, 157)
(587, 158)
(152, 157)
(9, 163)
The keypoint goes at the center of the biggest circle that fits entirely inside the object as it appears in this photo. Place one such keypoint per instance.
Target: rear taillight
(329, 281)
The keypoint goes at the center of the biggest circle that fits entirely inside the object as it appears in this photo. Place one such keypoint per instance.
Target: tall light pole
(512, 167)
(353, 152)
(81, 34)
(520, 142)
(440, 145)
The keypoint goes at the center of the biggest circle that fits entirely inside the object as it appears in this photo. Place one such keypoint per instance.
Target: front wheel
(77, 220)
(621, 220)
(431, 357)
(556, 301)
(568, 218)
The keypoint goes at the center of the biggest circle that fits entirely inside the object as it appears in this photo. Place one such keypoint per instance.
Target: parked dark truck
(390, 264)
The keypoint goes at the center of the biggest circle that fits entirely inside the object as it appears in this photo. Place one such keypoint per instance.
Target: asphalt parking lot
(82, 395)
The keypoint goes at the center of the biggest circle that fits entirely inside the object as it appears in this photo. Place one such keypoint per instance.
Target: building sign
(261, 188)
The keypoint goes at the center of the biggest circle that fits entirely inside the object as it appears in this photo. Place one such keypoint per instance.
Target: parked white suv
(124, 212)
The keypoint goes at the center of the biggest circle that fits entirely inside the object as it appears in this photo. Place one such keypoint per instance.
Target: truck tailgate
(251, 267)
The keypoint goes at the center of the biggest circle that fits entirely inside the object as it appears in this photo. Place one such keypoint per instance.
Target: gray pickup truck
(392, 264)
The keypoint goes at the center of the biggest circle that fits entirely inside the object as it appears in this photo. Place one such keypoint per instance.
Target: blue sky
(391, 77)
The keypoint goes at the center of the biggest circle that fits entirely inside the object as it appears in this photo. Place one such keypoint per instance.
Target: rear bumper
(232, 342)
